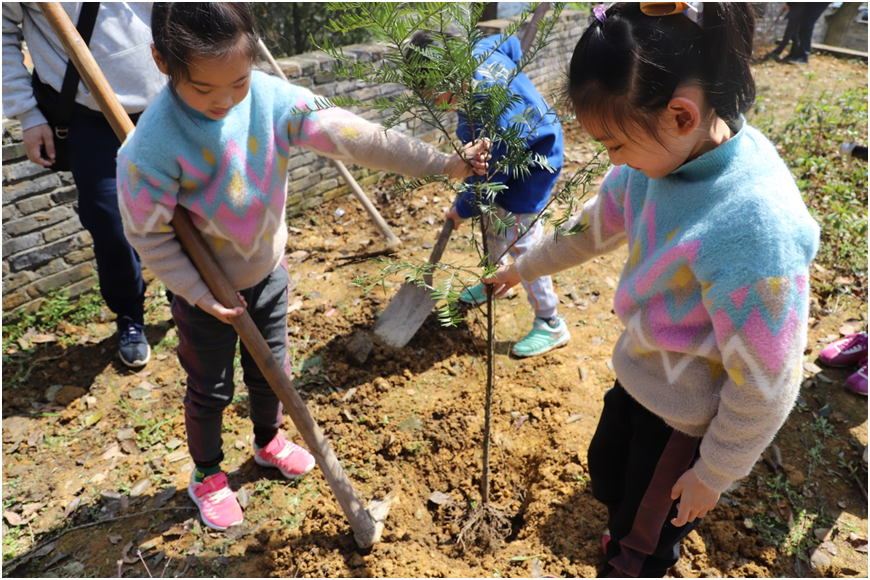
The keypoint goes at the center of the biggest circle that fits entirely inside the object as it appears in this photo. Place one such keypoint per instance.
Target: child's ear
(158, 60)
(683, 110)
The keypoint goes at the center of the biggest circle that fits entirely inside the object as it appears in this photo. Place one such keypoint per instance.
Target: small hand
(218, 310)
(696, 499)
(34, 139)
(471, 160)
(505, 278)
(452, 214)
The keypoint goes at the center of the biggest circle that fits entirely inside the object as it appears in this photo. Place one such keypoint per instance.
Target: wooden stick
(366, 529)
(392, 240)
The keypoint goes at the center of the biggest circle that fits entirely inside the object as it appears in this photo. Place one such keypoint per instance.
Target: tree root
(483, 525)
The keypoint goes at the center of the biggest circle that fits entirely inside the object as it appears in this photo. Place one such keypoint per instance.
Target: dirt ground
(95, 466)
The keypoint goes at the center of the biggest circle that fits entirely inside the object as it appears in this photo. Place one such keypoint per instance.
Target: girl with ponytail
(714, 295)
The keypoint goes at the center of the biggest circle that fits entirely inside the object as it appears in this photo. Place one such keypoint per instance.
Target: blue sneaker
(477, 295)
(133, 350)
(543, 337)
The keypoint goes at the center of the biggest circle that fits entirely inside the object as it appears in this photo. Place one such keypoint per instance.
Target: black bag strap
(63, 112)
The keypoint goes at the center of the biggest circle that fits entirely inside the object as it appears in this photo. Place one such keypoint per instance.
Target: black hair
(182, 30)
(627, 65)
(415, 53)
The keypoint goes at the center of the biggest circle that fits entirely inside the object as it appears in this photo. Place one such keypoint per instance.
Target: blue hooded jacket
(526, 195)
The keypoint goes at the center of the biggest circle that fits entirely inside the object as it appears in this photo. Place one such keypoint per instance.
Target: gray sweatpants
(540, 292)
(206, 350)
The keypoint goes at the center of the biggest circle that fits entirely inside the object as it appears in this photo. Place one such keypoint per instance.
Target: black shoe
(796, 60)
(133, 350)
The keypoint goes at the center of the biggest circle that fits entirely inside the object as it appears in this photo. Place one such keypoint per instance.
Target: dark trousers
(792, 26)
(93, 149)
(635, 459)
(812, 11)
(206, 350)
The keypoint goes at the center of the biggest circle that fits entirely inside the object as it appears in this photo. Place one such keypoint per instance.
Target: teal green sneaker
(477, 295)
(543, 338)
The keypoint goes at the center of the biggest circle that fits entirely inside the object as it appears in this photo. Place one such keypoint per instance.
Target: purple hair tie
(600, 13)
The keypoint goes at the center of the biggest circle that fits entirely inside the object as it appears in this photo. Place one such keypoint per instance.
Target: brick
(324, 78)
(303, 158)
(43, 183)
(14, 152)
(62, 230)
(12, 301)
(65, 195)
(323, 186)
(53, 267)
(62, 279)
(82, 255)
(10, 212)
(299, 173)
(42, 254)
(23, 170)
(34, 204)
(13, 282)
(38, 221)
(20, 243)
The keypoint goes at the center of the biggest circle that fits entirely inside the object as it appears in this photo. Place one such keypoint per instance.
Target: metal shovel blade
(408, 309)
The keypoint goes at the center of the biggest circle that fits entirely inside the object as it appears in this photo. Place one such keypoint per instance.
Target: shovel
(367, 524)
(411, 305)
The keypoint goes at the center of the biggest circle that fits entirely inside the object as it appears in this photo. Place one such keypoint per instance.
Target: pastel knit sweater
(231, 175)
(714, 294)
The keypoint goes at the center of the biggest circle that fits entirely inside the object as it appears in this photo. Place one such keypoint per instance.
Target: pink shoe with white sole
(292, 460)
(847, 351)
(857, 383)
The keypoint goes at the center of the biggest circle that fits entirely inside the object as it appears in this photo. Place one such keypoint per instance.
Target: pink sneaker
(848, 350)
(217, 503)
(857, 383)
(292, 460)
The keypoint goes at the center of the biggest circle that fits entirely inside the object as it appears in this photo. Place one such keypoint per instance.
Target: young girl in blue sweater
(217, 142)
(714, 294)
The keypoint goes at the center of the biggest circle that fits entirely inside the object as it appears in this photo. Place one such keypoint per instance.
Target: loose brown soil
(100, 471)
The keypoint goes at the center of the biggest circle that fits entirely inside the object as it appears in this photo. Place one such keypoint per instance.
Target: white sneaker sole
(136, 363)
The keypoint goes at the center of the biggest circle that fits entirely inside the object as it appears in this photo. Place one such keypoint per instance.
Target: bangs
(607, 114)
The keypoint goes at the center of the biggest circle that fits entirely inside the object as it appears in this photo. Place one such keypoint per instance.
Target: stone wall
(45, 247)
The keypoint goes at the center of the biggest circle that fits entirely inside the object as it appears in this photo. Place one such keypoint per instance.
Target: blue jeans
(93, 149)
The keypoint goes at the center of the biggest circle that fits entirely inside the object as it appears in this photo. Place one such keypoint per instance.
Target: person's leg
(804, 42)
(206, 348)
(541, 295)
(608, 453)
(548, 330)
(267, 305)
(93, 148)
(643, 541)
(790, 35)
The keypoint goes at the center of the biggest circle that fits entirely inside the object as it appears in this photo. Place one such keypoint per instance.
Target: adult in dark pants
(120, 44)
(793, 13)
(800, 50)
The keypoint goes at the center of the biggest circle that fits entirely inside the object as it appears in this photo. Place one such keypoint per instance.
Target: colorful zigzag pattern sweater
(714, 295)
(231, 175)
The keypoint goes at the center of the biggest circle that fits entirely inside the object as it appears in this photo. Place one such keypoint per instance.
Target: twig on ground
(16, 561)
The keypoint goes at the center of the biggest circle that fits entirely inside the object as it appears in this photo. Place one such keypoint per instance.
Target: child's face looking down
(213, 85)
(685, 129)
(653, 155)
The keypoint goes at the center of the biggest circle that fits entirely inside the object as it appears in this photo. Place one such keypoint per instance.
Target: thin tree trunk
(487, 422)
(839, 23)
